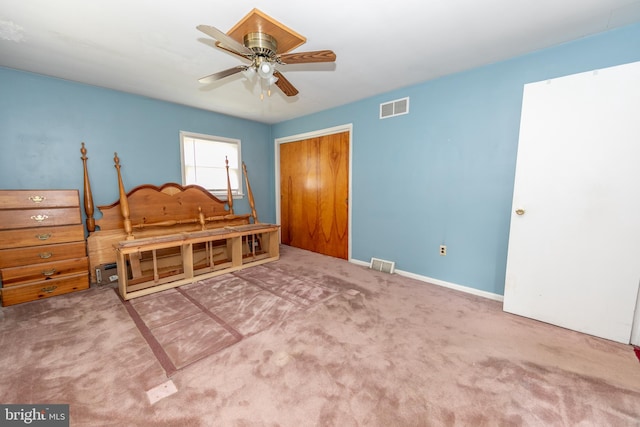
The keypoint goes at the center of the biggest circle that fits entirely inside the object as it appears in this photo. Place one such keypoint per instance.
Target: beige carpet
(387, 351)
(186, 324)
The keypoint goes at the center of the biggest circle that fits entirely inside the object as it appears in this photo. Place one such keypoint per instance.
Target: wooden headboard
(165, 207)
(148, 210)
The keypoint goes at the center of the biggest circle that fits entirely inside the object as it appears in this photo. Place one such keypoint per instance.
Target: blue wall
(444, 173)
(43, 121)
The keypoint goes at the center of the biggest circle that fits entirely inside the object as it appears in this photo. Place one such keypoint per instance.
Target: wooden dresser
(42, 245)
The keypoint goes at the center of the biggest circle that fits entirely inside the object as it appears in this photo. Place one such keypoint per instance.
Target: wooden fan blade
(219, 46)
(225, 40)
(285, 85)
(233, 52)
(222, 74)
(306, 57)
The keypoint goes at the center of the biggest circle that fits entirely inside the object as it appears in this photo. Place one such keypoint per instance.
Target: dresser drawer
(40, 254)
(33, 199)
(28, 218)
(41, 236)
(44, 289)
(21, 275)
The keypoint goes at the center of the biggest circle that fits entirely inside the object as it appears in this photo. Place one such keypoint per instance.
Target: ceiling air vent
(394, 108)
(382, 265)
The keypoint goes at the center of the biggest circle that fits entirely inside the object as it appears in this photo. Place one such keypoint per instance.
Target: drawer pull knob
(48, 289)
(45, 255)
(37, 199)
(49, 272)
(43, 236)
(39, 218)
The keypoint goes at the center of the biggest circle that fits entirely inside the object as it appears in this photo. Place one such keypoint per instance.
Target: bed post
(88, 197)
(124, 203)
(252, 203)
(229, 194)
(201, 219)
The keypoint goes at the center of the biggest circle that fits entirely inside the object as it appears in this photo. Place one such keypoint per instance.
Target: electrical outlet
(443, 250)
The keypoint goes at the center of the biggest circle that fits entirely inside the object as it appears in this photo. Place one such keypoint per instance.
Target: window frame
(222, 195)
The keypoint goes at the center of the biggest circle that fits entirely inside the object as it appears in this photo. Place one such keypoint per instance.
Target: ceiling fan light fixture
(266, 69)
(249, 73)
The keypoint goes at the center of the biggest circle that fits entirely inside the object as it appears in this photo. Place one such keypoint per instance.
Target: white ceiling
(152, 48)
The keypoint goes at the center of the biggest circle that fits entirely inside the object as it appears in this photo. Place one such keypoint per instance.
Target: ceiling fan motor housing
(262, 44)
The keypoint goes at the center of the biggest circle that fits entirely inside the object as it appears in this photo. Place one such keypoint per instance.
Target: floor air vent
(394, 108)
(382, 265)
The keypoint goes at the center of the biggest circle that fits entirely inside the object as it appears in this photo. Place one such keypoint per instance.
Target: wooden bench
(150, 277)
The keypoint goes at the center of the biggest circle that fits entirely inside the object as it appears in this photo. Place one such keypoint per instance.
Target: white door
(574, 251)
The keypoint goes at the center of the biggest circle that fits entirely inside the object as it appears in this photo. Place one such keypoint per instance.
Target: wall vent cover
(394, 108)
(382, 265)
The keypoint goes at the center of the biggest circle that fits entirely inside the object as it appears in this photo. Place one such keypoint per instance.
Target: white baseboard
(467, 289)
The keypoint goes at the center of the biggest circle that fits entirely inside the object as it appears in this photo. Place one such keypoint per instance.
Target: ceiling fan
(265, 43)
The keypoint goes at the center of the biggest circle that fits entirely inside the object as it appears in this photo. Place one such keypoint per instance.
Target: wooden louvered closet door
(314, 192)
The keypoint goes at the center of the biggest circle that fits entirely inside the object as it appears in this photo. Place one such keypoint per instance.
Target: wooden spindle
(88, 197)
(201, 219)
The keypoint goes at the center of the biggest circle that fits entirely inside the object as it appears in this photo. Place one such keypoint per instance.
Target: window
(203, 163)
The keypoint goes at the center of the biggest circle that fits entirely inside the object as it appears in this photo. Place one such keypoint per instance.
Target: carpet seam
(262, 286)
(237, 335)
(156, 348)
